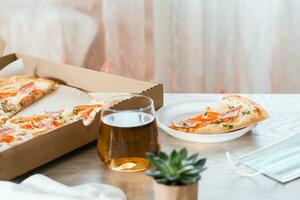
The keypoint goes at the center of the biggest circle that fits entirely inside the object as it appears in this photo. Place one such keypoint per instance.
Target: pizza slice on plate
(232, 113)
(18, 92)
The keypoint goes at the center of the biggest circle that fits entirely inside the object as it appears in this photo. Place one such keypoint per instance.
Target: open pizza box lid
(32, 154)
(85, 79)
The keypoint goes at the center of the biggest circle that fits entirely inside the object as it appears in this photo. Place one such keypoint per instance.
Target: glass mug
(127, 132)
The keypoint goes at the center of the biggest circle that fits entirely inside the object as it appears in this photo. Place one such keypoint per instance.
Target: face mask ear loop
(234, 166)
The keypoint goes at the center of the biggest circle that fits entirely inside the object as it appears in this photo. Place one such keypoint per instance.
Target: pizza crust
(260, 113)
(12, 84)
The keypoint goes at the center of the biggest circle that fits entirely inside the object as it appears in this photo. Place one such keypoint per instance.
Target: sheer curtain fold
(129, 37)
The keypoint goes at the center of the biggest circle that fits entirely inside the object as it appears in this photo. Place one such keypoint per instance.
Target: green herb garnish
(246, 112)
(218, 122)
(75, 111)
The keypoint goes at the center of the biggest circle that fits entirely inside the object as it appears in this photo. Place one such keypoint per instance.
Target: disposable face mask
(280, 161)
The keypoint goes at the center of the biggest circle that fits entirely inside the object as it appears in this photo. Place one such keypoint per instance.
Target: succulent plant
(176, 168)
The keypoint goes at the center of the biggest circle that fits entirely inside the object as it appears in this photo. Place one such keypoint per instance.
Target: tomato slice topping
(6, 138)
(4, 95)
(57, 123)
(27, 126)
(26, 87)
(27, 100)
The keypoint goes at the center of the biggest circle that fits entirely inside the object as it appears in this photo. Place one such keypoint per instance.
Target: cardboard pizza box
(45, 148)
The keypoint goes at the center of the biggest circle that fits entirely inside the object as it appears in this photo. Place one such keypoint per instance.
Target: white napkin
(39, 187)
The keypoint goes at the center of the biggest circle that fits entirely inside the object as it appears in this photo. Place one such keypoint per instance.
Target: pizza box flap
(2, 45)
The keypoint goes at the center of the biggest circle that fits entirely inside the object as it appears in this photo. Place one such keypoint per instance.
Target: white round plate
(185, 109)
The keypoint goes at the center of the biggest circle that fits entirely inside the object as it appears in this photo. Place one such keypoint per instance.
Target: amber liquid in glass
(124, 139)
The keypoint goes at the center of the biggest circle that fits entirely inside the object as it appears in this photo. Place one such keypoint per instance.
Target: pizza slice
(18, 92)
(20, 129)
(232, 113)
(86, 113)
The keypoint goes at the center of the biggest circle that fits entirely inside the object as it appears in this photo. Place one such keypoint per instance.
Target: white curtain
(206, 45)
(189, 45)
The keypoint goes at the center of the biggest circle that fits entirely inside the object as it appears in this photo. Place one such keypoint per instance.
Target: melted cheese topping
(42, 85)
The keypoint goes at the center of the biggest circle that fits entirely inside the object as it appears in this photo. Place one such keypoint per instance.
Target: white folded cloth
(39, 187)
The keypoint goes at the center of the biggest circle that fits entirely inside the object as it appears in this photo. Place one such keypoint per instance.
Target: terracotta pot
(170, 192)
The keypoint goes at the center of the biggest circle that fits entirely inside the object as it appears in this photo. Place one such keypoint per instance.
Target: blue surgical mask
(280, 161)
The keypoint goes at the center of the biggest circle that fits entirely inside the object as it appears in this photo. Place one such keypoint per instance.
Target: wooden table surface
(220, 181)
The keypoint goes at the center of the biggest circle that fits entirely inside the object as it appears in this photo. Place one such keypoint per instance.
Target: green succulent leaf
(162, 180)
(157, 162)
(154, 173)
(161, 165)
(201, 162)
(183, 153)
(194, 171)
(172, 178)
(193, 158)
(163, 156)
(173, 157)
(189, 179)
(177, 157)
(186, 168)
(150, 157)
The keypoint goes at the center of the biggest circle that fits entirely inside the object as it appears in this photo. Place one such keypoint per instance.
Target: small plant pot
(171, 192)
